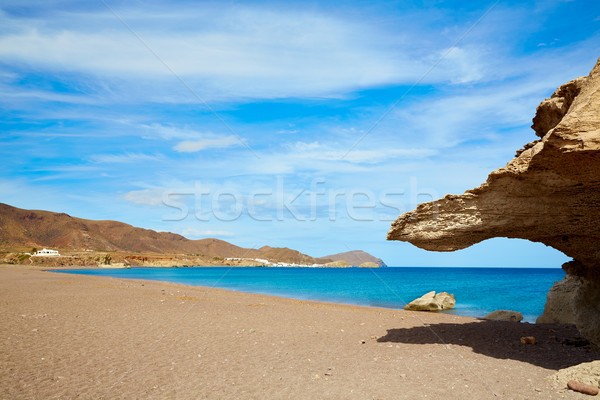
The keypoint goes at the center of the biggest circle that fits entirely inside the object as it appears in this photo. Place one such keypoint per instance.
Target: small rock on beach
(528, 340)
(582, 388)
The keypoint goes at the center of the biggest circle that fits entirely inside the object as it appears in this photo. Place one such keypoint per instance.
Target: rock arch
(548, 193)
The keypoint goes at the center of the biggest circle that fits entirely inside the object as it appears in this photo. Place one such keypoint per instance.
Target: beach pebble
(582, 388)
(528, 340)
(363, 341)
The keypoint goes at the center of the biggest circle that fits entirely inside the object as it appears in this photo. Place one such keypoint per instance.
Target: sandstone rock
(551, 111)
(559, 308)
(582, 388)
(549, 194)
(447, 301)
(423, 303)
(586, 373)
(587, 310)
(368, 264)
(432, 302)
(504, 315)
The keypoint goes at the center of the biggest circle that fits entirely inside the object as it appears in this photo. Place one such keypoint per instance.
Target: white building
(46, 253)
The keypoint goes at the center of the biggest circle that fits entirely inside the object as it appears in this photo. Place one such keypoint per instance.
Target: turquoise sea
(478, 291)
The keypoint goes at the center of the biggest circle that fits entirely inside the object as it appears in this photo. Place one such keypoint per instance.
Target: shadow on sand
(557, 346)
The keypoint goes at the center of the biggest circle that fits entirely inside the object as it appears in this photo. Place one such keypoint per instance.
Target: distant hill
(355, 257)
(58, 230)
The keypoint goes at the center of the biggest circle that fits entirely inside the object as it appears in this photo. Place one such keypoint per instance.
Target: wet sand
(88, 337)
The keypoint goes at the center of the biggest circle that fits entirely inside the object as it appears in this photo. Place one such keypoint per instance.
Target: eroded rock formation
(587, 373)
(549, 193)
(432, 302)
(560, 307)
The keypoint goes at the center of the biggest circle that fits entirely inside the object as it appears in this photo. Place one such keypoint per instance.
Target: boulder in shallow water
(432, 302)
(504, 315)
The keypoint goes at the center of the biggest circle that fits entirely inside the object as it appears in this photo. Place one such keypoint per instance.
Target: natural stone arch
(549, 193)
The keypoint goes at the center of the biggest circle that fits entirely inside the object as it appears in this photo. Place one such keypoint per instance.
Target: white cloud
(192, 146)
(331, 157)
(196, 233)
(18, 94)
(169, 132)
(462, 64)
(477, 113)
(193, 140)
(65, 168)
(343, 153)
(225, 52)
(152, 197)
(125, 158)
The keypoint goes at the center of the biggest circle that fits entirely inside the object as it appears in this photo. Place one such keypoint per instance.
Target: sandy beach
(87, 337)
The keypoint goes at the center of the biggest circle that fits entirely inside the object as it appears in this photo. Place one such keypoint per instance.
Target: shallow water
(478, 291)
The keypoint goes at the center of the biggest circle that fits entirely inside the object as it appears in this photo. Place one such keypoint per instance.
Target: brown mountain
(35, 228)
(355, 257)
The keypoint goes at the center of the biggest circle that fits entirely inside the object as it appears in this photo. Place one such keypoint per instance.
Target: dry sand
(70, 336)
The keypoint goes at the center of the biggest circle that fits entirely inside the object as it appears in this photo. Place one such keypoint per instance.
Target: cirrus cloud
(193, 146)
(227, 52)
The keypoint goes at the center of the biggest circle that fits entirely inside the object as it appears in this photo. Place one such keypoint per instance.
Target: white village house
(46, 253)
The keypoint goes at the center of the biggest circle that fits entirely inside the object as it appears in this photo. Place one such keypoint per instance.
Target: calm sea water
(478, 291)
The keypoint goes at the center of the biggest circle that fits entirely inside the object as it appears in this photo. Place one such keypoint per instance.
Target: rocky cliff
(354, 257)
(549, 193)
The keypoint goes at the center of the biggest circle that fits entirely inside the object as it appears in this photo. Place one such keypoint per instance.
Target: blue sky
(309, 125)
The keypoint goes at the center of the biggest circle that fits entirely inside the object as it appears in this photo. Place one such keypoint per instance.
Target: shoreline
(232, 291)
(333, 302)
(292, 292)
(69, 335)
